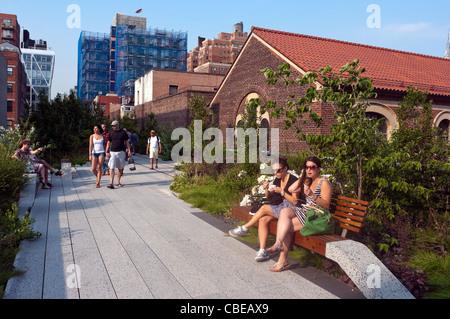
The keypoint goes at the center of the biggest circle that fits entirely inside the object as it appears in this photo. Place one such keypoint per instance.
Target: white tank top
(98, 145)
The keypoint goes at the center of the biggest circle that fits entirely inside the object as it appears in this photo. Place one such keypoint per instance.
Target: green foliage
(354, 139)
(406, 179)
(12, 178)
(12, 231)
(214, 188)
(64, 125)
(438, 270)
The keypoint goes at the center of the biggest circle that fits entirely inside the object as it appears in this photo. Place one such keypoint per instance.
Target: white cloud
(408, 28)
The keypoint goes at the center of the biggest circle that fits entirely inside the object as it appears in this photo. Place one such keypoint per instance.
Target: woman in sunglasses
(291, 219)
(280, 197)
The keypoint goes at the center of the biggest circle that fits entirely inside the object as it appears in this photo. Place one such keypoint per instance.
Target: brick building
(16, 79)
(215, 56)
(391, 71)
(166, 93)
(3, 90)
(107, 102)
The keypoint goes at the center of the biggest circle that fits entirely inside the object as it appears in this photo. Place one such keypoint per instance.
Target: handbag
(257, 204)
(131, 165)
(318, 221)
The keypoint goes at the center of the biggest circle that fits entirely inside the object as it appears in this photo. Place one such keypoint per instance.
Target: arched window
(260, 118)
(379, 111)
(444, 129)
(383, 128)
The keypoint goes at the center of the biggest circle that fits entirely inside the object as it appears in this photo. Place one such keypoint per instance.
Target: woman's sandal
(274, 249)
(59, 173)
(276, 268)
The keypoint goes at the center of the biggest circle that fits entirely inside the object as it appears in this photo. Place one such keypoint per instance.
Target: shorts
(97, 155)
(117, 160)
(154, 153)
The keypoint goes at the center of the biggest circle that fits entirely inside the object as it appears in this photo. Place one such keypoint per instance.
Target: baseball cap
(114, 123)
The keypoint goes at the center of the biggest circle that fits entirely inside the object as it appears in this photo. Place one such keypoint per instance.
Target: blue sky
(414, 26)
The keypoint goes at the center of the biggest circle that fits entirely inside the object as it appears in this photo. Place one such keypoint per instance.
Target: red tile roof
(389, 69)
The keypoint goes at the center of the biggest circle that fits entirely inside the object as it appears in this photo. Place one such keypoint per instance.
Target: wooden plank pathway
(141, 242)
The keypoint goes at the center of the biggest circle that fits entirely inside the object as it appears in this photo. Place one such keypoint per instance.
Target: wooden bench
(354, 258)
(349, 215)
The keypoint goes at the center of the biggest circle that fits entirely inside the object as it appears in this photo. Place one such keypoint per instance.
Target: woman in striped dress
(317, 193)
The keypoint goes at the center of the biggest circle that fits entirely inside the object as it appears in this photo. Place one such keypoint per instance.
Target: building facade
(39, 63)
(106, 103)
(216, 55)
(15, 72)
(3, 91)
(93, 65)
(166, 93)
(131, 51)
(391, 71)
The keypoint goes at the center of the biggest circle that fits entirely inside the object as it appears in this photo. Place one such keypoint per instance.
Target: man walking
(153, 148)
(115, 149)
(105, 169)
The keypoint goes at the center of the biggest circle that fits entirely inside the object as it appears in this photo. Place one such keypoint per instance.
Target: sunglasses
(311, 167)
(279, 170)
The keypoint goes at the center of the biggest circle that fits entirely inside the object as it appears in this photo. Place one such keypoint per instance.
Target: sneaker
(261, 255)
(238, 232)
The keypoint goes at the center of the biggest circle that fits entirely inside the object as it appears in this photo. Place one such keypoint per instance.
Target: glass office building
(39, 66)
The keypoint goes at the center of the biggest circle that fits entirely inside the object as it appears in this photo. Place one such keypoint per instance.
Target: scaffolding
(137, 51)
(93, 64)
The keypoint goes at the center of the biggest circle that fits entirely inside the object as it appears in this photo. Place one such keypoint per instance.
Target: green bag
(319, 221)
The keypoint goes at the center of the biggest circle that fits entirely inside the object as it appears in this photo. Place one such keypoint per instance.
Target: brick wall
(170, 110)
(245, 78)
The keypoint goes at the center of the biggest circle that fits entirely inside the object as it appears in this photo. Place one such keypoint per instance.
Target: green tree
(354, 139)
(60, 124)
(415, 178)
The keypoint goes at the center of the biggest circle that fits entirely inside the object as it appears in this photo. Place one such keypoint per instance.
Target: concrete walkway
(141, 241)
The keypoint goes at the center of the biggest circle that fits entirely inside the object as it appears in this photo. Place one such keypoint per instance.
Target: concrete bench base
(368, 273)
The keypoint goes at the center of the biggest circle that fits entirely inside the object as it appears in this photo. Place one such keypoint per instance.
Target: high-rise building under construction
(111, 63)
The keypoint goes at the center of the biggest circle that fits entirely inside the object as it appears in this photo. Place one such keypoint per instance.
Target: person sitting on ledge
(23, 154)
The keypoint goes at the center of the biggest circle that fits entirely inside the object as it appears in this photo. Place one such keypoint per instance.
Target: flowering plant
(258, 189)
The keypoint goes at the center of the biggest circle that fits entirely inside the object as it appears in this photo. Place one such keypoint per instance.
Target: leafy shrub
(12, 231)
(12, 179)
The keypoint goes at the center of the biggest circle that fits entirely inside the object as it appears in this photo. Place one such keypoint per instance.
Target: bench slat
(346, 226)
(353, 200)
(351, 210)
(354, 218)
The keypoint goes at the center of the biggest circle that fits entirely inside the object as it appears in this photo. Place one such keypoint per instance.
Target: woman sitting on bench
(317, 193)
(280, 197)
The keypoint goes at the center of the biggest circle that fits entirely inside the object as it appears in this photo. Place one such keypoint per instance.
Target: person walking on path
(97, 153)
(105, 169)
(134, 141)
(153, 148)
(117, 145)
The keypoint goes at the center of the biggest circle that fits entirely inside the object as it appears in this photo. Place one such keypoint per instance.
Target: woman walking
(97, 153)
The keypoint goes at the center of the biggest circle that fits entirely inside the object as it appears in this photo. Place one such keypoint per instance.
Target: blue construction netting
(138, 51)
(93, 65)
